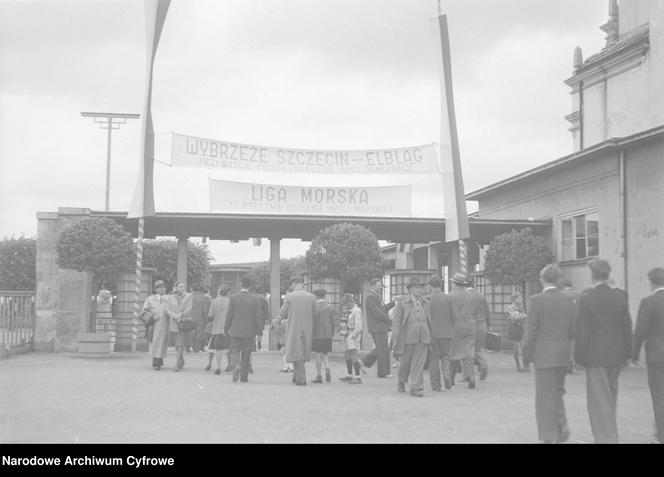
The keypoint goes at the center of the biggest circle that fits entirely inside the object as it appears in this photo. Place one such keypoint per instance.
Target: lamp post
(109, 121)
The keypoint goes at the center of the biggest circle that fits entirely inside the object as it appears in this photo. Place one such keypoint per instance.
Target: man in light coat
(200, 308)
(299, 308)
(650, 328)
(547, 344)
(412, 337)
(442, 319)
(463, 345)
(603, 346)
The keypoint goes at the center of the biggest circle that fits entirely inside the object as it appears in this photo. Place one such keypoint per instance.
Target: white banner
(190, 151)
(241, 197)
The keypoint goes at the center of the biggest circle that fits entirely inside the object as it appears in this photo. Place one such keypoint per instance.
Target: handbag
(492, 342)
(187, 325)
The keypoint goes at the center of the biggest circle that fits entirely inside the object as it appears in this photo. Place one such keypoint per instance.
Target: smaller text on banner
(241, 197)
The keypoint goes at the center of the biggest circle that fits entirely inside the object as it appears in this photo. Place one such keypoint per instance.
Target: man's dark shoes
(318, 380)
(217, 371)
(417, 393)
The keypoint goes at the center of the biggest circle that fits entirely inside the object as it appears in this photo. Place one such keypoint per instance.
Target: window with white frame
(580, 236)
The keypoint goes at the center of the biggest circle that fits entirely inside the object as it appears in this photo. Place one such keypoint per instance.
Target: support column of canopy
(275, 282)
(182, 261)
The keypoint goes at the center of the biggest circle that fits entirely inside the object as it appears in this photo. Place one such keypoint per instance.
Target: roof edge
(589, 152)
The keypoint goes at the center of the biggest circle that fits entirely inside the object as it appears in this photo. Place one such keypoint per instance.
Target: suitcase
(492, 341)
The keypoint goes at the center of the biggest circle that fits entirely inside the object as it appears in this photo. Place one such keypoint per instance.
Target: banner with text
(190, 151)
(241, 197)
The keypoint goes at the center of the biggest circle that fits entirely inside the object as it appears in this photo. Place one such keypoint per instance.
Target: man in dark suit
(244, 322)
(547, 344)
(379, 323)
(603, 344)
(650, 328)
(442, 319)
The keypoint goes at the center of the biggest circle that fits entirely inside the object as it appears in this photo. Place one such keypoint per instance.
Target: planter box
(94, 345)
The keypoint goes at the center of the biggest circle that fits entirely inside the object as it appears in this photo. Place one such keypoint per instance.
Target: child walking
(351, 331)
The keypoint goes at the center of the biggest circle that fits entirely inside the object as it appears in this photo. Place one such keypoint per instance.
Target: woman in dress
(517, 317)
(156, 304)
(179, 310)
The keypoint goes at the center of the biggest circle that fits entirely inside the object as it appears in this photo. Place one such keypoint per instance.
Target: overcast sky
(320, 74)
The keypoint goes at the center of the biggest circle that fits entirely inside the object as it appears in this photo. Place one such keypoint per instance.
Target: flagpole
(137, 283)
(457, 228)
(143, 202)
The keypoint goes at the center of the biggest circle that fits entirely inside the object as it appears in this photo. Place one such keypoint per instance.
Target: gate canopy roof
(245, 226)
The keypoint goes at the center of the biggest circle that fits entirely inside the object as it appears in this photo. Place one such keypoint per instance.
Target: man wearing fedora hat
(412, 336)
(463, 345)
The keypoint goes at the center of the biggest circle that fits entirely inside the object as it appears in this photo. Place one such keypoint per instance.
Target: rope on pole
(137, 288)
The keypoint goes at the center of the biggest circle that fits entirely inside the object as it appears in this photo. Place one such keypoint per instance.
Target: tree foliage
(162, 254)
(97, 245)
(288, 268)
(17, 263)
(347, 252)
(518, 256)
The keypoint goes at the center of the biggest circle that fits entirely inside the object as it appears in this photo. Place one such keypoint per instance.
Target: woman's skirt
(182, 338)
(323, 345)
(515, 332)
(218, 342)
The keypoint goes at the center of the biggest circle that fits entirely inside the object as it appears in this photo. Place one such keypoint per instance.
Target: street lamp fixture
(109, 121)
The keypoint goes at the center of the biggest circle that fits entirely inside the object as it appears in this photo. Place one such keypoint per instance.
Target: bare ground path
(63, 398)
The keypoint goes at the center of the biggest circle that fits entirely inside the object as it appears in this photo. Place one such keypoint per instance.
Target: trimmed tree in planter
(288, 268)
(103, 248)
(162, 255)
(516, 257)
(347, 252)
(99, 246)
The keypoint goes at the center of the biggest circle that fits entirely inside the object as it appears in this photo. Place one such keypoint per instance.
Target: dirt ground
(64, 398)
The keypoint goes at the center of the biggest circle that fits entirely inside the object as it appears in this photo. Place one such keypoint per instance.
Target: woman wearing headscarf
(156, 305)
(179, 310)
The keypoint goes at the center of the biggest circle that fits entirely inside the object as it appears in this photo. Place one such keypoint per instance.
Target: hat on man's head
(414, 282)
(159, 284)
(460, 279)
(320, 292)
(373, 281)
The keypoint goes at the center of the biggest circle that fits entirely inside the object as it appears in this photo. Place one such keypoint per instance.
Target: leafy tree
(516, 257)
(288, 268)
(162, 254)
(347, 252)
(97, 245)
(17, 263)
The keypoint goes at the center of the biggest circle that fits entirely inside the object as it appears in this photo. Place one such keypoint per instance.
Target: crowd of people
(557, 331)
